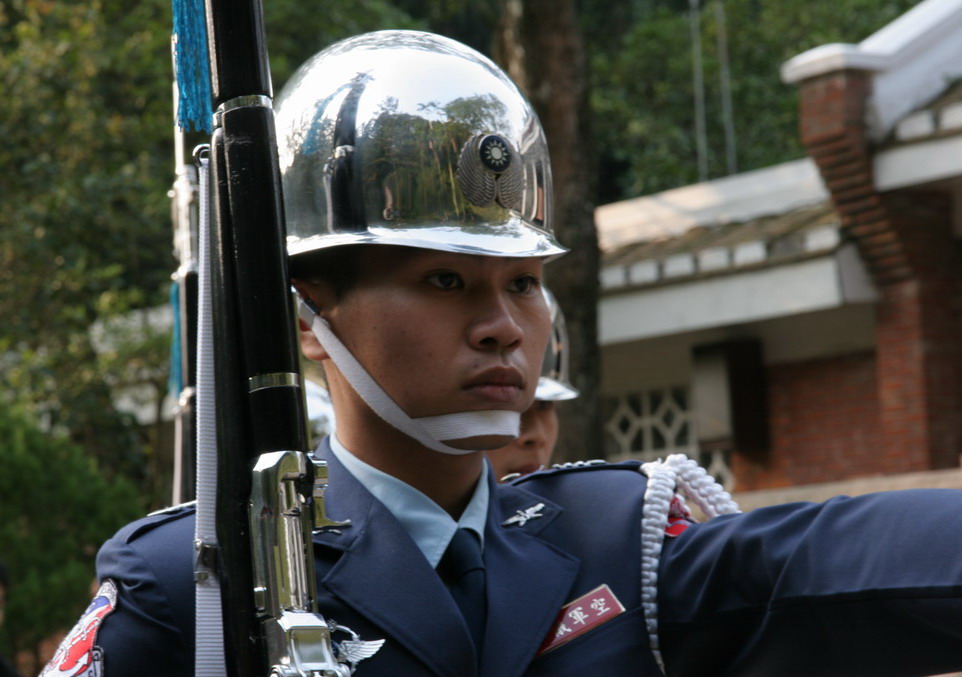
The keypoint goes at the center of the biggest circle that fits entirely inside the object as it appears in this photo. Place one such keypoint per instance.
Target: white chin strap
(431, 431)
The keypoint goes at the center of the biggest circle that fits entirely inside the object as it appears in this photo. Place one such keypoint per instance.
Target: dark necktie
(462, 570)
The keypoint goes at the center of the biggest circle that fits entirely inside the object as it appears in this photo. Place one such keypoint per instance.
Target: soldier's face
(533, 448)
(441, 332)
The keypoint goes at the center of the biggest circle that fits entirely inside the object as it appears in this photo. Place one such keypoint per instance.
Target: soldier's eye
(525, 283)
(445, 280)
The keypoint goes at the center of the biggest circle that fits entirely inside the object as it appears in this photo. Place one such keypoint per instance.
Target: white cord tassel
(677, 472)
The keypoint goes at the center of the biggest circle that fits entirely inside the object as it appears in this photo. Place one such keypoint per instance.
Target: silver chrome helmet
(409, 138)
(554, 384)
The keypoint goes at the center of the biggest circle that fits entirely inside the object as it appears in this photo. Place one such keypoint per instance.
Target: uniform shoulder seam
(173, 509)
(137, 528)
(581, 466)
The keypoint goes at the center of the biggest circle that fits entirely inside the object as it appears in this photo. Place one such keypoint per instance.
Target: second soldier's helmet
(413, 139)
(554, 383)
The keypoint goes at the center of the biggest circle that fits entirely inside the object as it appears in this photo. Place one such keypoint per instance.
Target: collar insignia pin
(353, 650)
(521, 517)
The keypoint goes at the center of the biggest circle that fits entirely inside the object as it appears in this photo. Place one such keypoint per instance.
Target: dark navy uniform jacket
(860, 586)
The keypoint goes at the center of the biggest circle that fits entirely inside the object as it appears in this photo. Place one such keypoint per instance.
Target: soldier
(418, 197)
(532, 449)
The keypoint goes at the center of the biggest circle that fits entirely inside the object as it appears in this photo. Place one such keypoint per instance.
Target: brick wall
(918, 335)
(906, 241)
(824, 425)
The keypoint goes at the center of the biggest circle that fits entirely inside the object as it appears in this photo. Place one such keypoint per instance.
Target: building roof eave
(910, 61)
(816, 283)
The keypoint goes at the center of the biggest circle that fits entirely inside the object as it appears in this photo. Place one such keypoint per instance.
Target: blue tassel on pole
(191, 66)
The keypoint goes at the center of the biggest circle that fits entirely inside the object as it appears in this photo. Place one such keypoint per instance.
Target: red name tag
(578, 617)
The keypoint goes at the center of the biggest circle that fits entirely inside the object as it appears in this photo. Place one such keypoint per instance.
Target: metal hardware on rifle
(307, 640)
(254, 100)
(281, 530)
(298, 640)
(201, 152)
(205, 561)
(321, 521)
(285, 380)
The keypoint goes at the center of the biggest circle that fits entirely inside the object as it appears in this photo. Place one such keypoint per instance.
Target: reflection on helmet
(553, 385)
(409, 138)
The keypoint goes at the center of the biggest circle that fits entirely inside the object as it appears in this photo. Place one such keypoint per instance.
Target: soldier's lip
(500, 384)
(498, 376)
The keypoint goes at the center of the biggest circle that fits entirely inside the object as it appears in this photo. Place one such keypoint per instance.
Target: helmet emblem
(495, 153)
(488, 173)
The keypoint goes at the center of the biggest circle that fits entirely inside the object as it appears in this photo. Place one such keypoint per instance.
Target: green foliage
(294, 34)
(55, 511)
(642, 94)
(84, 231)
(470, 22)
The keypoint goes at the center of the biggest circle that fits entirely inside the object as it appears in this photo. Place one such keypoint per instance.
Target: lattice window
(651, 424)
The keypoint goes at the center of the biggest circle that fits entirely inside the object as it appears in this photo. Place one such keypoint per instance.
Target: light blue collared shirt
(425, 521)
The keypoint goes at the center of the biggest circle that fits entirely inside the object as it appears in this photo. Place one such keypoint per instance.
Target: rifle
(269, 492)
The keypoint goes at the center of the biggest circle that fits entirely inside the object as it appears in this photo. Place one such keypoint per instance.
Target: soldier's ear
(321, 298)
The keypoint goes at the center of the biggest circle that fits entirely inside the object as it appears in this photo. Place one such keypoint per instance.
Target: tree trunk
(539, 43)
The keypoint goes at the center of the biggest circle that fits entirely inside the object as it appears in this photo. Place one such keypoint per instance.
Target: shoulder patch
(78, 654)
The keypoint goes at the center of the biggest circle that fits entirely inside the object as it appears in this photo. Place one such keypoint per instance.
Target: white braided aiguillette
(677, 472)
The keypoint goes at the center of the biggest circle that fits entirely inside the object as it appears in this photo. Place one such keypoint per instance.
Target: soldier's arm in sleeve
(140, 621)
(866, 585)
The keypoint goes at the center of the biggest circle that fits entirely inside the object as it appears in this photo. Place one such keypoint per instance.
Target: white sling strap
(209, 642)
